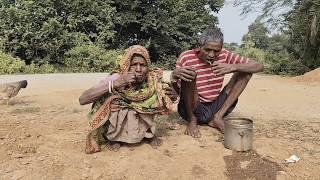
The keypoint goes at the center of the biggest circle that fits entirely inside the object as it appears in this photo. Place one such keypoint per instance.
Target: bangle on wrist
(109, 87)
(112, 86)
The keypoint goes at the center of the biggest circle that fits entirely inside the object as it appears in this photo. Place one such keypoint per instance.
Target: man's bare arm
(250, 67)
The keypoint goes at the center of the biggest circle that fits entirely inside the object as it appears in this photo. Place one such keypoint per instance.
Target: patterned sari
(127, 115)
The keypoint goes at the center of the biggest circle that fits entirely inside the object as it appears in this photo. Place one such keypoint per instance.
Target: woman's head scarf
(129, 53)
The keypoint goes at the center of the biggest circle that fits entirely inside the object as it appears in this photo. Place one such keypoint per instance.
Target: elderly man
(199, 76)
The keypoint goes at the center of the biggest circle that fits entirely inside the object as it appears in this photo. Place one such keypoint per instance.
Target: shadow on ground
(250, 165)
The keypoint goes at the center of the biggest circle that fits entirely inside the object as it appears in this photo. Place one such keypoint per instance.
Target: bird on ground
(9, 90)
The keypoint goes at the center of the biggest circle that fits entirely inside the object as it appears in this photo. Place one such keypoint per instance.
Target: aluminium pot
(238, 134)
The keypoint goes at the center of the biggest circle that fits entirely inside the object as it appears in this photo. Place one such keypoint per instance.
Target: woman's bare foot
(113, 146)
(155, 142)
(218, 123)
(91, 145)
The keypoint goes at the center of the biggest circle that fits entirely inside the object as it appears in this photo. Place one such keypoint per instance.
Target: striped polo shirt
(208, 84)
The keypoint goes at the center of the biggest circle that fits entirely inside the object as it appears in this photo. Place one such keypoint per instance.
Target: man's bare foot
(113, 146)
(91, 145)
(155, 142)
(218, 123)
(193, 130)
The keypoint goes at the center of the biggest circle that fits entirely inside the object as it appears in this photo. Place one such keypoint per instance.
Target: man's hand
(193, 130)
(169, 91)
(222, 69)
(186, 74)
(124, 80)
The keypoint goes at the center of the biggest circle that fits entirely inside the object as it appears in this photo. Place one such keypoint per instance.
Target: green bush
(252, 53)
(40, 69)
(91, 58)
(166, 63)
(10, 65)
(275, 62)
(282, 64)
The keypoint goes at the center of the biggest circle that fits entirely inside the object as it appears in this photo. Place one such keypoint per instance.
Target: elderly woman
(125, 103)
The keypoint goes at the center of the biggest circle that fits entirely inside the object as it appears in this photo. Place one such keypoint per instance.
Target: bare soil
(42, 135)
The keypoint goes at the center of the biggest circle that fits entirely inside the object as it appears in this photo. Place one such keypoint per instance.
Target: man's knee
(246, 76)
(243, 75)
(238, 76)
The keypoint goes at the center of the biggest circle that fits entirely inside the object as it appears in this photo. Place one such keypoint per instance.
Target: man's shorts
(205, 110)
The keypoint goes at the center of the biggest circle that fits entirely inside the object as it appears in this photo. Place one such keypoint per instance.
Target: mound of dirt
(310, 77)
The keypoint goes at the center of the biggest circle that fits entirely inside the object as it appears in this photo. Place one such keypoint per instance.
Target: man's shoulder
(188, 55)
(191, 52)
(225, 51)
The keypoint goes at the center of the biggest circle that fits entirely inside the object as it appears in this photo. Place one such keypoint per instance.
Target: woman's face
(140, 67)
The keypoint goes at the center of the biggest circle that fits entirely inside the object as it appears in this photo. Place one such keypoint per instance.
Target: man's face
(139, 67)
(210, 51)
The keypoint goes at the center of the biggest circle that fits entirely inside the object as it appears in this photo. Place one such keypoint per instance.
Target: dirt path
(42, 136)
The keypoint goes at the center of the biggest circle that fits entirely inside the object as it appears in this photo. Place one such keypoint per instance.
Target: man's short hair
(210, 34)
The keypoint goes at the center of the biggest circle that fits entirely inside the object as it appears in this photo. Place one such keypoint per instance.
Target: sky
(232, 24)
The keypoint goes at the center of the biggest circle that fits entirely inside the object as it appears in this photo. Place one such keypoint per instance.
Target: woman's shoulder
(157, 72)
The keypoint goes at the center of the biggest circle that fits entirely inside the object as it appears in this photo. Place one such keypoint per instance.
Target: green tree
(167, 27)
(38, 31)
(303, 26)
(231, 46)
(43, 31)
(300, 27)
(258, 34)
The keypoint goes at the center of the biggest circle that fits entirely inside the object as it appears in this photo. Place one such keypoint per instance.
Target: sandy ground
(42, 134)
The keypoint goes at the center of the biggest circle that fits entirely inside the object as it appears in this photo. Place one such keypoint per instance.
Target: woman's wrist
(173, 79)
(115, 84)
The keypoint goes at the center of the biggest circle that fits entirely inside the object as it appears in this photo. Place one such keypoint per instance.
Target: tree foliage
(43, 31)
(9, 64)
(166, 27)
(257, 34)
(91, 58)
(303, 26)
(299, 33)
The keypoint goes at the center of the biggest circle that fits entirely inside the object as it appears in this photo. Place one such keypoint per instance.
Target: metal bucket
(238, 134)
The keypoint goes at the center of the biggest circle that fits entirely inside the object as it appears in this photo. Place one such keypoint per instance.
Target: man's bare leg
(233, 89)
(190, 97)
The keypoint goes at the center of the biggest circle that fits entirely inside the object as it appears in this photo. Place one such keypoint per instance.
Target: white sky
(232, 24)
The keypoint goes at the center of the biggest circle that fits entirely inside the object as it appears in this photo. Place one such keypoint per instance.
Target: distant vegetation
(47, 36)
(294, 49)
(89, 35)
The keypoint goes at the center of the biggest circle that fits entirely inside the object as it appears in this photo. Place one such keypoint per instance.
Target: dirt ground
(42, 136)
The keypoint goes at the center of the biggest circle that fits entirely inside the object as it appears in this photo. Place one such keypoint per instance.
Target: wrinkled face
(210, 51)
(140, 67)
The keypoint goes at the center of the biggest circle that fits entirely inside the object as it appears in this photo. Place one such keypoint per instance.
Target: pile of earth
(310, 77)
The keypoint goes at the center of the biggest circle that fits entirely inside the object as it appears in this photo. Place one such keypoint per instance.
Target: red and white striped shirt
(208, 85)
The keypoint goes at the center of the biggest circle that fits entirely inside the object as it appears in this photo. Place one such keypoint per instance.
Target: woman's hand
(169, 91)
(124, 80)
